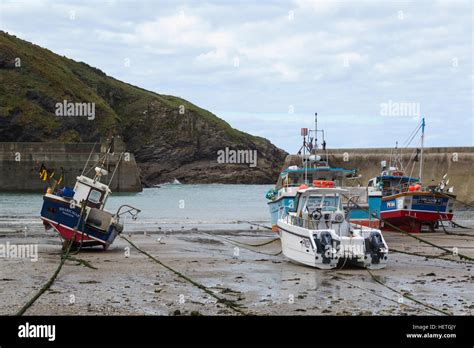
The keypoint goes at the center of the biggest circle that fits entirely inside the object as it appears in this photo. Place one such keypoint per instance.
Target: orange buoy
(323, 183)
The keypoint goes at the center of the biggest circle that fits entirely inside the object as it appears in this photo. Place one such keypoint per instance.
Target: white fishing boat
(316, 232)
(310, 163)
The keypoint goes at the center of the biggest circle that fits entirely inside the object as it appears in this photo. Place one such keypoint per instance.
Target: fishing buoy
(411, 188)
(302, 187)
(417, 187)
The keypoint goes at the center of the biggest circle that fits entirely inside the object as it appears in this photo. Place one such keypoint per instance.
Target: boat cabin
(391, 184)
(93, 192)
(324, 199)
(295, 176)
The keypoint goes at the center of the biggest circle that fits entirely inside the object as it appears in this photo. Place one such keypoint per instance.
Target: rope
(455, 224)
(373, 292)
(237, 243)
(405, 295)
(255, 224)
(461, 256)
(51, 280)
(426, 256)
(411, 136)
(47, 285)
(457, 200)
(81, 262)
(454, 233)
(219, 299)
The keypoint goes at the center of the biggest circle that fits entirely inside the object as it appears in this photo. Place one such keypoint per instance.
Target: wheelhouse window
(94, 197)
(324, 202)
(293, 207)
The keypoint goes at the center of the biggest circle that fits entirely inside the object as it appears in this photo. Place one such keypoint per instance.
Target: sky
(370, 69)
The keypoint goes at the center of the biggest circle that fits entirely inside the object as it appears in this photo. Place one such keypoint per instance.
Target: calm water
(167, 207)
(207, 207)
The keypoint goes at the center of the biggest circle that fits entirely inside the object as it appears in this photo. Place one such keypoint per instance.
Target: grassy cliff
(167, 143)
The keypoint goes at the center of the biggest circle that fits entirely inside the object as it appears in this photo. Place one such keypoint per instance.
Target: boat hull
(66, 220)
(410, 211)
(307, 247)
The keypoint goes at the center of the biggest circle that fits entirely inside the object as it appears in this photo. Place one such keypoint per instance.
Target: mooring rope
(461, 256)
(219, 299)
(406, 295)
(373, 292)
(451, 233)
(242, 244)
(48, 283)
(439, 257)
(455, 224)
(64, 257)
(457, 200)
(255, 224)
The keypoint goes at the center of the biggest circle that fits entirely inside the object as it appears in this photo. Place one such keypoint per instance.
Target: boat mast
(422, 144)
(315, 132)
(88, 158)
(302, 151)
(105, 158)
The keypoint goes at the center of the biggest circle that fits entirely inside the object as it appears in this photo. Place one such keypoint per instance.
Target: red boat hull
(412, 221)
(69, 234)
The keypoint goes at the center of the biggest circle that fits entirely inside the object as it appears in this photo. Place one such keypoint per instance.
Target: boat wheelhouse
(316, 232)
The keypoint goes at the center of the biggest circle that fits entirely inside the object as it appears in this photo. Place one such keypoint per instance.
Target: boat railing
(128, 209)
(299, 221)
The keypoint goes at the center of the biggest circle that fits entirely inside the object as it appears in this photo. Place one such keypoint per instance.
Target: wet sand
(258, 282)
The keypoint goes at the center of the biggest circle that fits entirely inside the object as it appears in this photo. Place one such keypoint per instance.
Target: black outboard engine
(374, 245)
(324, 244)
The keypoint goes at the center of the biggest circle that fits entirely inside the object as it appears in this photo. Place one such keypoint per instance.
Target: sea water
(169, 207)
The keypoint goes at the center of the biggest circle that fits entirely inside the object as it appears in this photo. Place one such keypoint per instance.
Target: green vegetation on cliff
(34, 79)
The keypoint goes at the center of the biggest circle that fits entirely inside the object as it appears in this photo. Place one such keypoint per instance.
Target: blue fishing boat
(78, 214)
(407, 203)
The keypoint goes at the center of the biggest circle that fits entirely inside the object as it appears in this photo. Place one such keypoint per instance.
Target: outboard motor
(374, 244)
(324, 244)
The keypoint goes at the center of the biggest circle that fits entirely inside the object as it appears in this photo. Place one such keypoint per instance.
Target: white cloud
(319, 6)
(286, 72)
(190, 49)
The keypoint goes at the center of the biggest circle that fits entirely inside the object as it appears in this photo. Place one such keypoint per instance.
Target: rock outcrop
(170, 137)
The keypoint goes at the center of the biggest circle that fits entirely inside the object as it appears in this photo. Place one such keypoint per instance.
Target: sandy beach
(257, 280)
